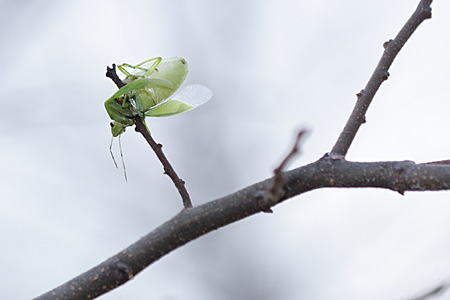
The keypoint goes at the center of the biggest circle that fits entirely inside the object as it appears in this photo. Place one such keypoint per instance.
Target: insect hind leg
(147, 71)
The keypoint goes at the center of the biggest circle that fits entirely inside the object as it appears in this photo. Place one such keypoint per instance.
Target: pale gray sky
(274, 67)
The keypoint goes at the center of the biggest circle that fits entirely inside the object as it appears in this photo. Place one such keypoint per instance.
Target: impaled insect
(149, 91)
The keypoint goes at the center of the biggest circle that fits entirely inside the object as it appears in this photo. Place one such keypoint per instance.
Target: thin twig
(282, 167)
(168, 169)
(364, 98)
(111, 73)
(157, 148)
(436, 291)
(275, 192)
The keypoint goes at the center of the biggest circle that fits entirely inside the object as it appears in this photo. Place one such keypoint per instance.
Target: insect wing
(173, 70)
(184, 100)
(169, 108)
(194, 94)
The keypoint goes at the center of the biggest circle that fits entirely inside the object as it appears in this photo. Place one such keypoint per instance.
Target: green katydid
(149, 91)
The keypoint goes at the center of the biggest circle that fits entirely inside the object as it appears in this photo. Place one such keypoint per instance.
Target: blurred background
(274, 67)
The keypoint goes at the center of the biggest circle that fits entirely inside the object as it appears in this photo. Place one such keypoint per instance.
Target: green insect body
(147, 90)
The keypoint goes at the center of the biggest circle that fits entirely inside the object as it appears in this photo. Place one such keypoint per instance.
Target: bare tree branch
(327, 172)
(192, 223)
(365, 96)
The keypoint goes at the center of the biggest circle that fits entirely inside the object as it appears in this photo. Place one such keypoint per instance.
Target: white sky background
(274, 67)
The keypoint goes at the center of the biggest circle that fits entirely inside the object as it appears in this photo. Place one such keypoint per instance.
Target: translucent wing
(185, 99)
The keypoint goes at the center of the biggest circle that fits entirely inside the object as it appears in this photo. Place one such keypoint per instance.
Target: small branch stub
(111, 73)
(276, 192)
